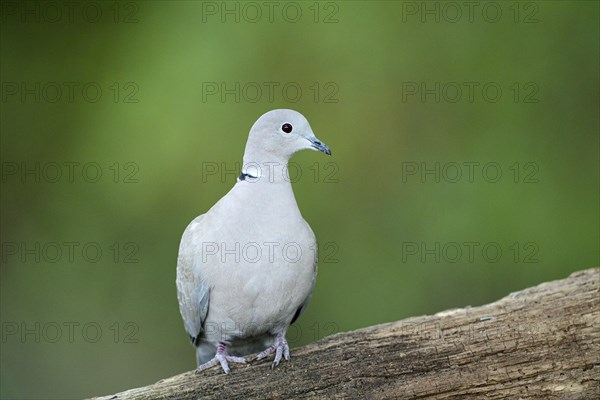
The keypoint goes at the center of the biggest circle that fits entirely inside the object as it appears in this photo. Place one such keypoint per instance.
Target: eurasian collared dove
(247, 268)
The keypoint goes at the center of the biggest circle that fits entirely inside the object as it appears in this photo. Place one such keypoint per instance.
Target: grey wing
(193, 293)
(303, 306)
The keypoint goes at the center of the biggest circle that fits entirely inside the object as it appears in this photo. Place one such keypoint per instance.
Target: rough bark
(541, 343)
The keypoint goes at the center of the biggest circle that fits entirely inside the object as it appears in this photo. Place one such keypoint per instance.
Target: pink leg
(279, 346)
(221, 357)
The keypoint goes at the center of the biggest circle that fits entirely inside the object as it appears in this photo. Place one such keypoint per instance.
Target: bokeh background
(149, 112)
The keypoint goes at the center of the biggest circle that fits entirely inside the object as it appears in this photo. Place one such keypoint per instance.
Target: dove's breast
(259, 273)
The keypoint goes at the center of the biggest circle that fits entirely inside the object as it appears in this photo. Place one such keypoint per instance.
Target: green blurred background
(357, 64)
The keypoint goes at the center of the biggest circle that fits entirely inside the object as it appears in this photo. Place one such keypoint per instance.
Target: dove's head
(279, 134)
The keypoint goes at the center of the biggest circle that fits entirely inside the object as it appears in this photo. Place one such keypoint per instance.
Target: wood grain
(539, 343)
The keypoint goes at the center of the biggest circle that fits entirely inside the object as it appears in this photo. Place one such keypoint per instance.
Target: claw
(279, 346)
(221, 357)
(269, 350)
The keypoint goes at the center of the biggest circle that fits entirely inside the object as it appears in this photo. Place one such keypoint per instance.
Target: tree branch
(542, 342)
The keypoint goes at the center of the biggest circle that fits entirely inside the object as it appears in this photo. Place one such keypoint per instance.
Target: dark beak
(320, 146)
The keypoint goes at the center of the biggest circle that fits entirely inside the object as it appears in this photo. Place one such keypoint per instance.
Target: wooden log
(539, 343)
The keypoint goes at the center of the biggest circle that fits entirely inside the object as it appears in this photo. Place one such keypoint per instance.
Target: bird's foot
(279, 346)
(221, 357)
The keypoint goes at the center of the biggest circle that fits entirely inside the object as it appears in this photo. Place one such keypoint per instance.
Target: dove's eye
(287, 128)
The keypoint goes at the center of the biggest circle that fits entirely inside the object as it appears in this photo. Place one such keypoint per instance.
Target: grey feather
(302, 308)
(242, 302)
(193, 293)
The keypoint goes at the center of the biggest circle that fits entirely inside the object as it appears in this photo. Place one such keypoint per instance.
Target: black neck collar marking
(243, 176)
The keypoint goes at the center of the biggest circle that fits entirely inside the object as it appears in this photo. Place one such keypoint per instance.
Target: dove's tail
(204, 353)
